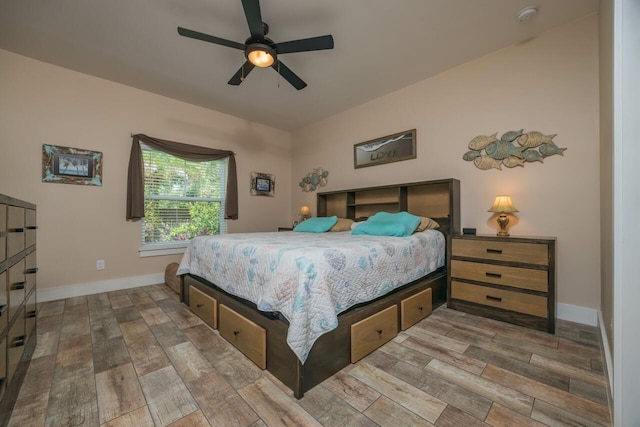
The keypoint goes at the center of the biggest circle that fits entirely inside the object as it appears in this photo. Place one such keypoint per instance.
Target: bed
(305, 305)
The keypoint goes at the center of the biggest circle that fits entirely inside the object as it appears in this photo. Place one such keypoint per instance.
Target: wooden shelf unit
(434, 199)
(18, 270)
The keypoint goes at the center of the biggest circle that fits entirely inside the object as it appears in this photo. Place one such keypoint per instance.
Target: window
(182, 199)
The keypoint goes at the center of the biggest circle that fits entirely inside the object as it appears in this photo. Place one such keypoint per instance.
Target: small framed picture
(68, 165)
(262, 184)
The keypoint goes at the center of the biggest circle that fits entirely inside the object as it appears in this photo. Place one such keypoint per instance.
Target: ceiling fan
(261, 51)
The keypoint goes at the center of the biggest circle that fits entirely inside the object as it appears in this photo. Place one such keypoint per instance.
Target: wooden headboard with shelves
(438, 199)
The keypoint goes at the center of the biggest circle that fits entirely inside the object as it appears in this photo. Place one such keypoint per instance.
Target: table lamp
(503, 206)
(305, 212)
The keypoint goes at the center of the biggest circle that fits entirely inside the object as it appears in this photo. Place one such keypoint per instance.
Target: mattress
(310, 278)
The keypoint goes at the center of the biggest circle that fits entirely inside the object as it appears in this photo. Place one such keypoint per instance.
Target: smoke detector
(527, 13)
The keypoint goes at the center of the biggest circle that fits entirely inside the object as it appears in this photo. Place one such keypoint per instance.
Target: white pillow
(355, 224)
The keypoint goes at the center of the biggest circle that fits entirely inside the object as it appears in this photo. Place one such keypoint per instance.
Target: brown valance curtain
(194, 153)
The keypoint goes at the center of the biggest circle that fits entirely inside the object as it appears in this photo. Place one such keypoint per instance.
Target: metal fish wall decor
(514, 148)
(313, 180)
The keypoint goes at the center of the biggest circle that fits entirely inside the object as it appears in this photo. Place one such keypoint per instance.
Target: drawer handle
(420, 308)
(497, 299)
(31, 270)
(379, 331)
(19, 341)
(16, 230)
(3, 308)
(199, 305)
(496, 275)
(31, 314)
(16, 286)
(236, 332)
(494, 251)
(32, 227)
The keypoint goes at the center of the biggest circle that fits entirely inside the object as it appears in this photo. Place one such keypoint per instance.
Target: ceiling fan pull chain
(278, 74)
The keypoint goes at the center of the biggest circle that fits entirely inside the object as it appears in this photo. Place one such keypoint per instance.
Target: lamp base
(503, 221)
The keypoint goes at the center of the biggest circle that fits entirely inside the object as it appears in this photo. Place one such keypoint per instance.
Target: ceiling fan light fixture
(261, 55)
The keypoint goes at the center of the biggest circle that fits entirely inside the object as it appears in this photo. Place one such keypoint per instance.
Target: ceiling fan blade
(254, 17)
(305, 45)
(289, 75)
(242, 72)
(211, 39)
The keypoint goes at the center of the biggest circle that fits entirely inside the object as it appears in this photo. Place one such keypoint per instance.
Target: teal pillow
(317, 225)
(399, 224)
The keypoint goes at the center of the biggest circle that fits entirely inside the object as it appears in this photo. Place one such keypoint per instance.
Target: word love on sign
(390, 148)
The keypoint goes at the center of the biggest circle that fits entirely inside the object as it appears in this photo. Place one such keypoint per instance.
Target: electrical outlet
(100, 264)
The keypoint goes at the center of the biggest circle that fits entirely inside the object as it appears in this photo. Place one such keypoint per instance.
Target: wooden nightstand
(512, 279)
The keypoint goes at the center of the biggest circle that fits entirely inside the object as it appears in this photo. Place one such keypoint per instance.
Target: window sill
(159, 250)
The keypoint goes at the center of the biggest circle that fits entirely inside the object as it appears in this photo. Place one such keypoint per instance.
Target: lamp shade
(305, 211)
(503, 204)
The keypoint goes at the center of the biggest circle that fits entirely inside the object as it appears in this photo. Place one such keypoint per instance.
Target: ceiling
(380, 46)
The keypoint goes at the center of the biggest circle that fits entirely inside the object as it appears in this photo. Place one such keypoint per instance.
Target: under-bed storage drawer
(370, 333)
(246, 336)
(415, 308)
(204, 306)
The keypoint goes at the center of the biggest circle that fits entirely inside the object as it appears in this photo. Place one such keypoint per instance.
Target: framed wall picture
(390, 148)
(66, 165)
(262, 184)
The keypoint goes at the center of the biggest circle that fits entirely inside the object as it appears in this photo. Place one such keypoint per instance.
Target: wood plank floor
(140, 358)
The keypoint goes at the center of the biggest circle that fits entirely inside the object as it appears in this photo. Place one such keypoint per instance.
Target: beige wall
(549, 84)
(41, 103)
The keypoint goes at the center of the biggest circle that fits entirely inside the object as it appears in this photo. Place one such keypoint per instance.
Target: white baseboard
(577, 314)
(80, 289)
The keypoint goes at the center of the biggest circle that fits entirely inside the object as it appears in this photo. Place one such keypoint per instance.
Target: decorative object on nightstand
(305, 212)
(505, 278)
(503, 206)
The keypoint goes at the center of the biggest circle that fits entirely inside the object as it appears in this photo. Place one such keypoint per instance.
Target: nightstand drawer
(370, 333)
(246, 336)
(528, 253)
(204, 306)
(515, 301)
(415, 308)
(535, 280)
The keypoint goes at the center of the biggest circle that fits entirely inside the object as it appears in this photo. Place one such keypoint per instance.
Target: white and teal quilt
(312, 277)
